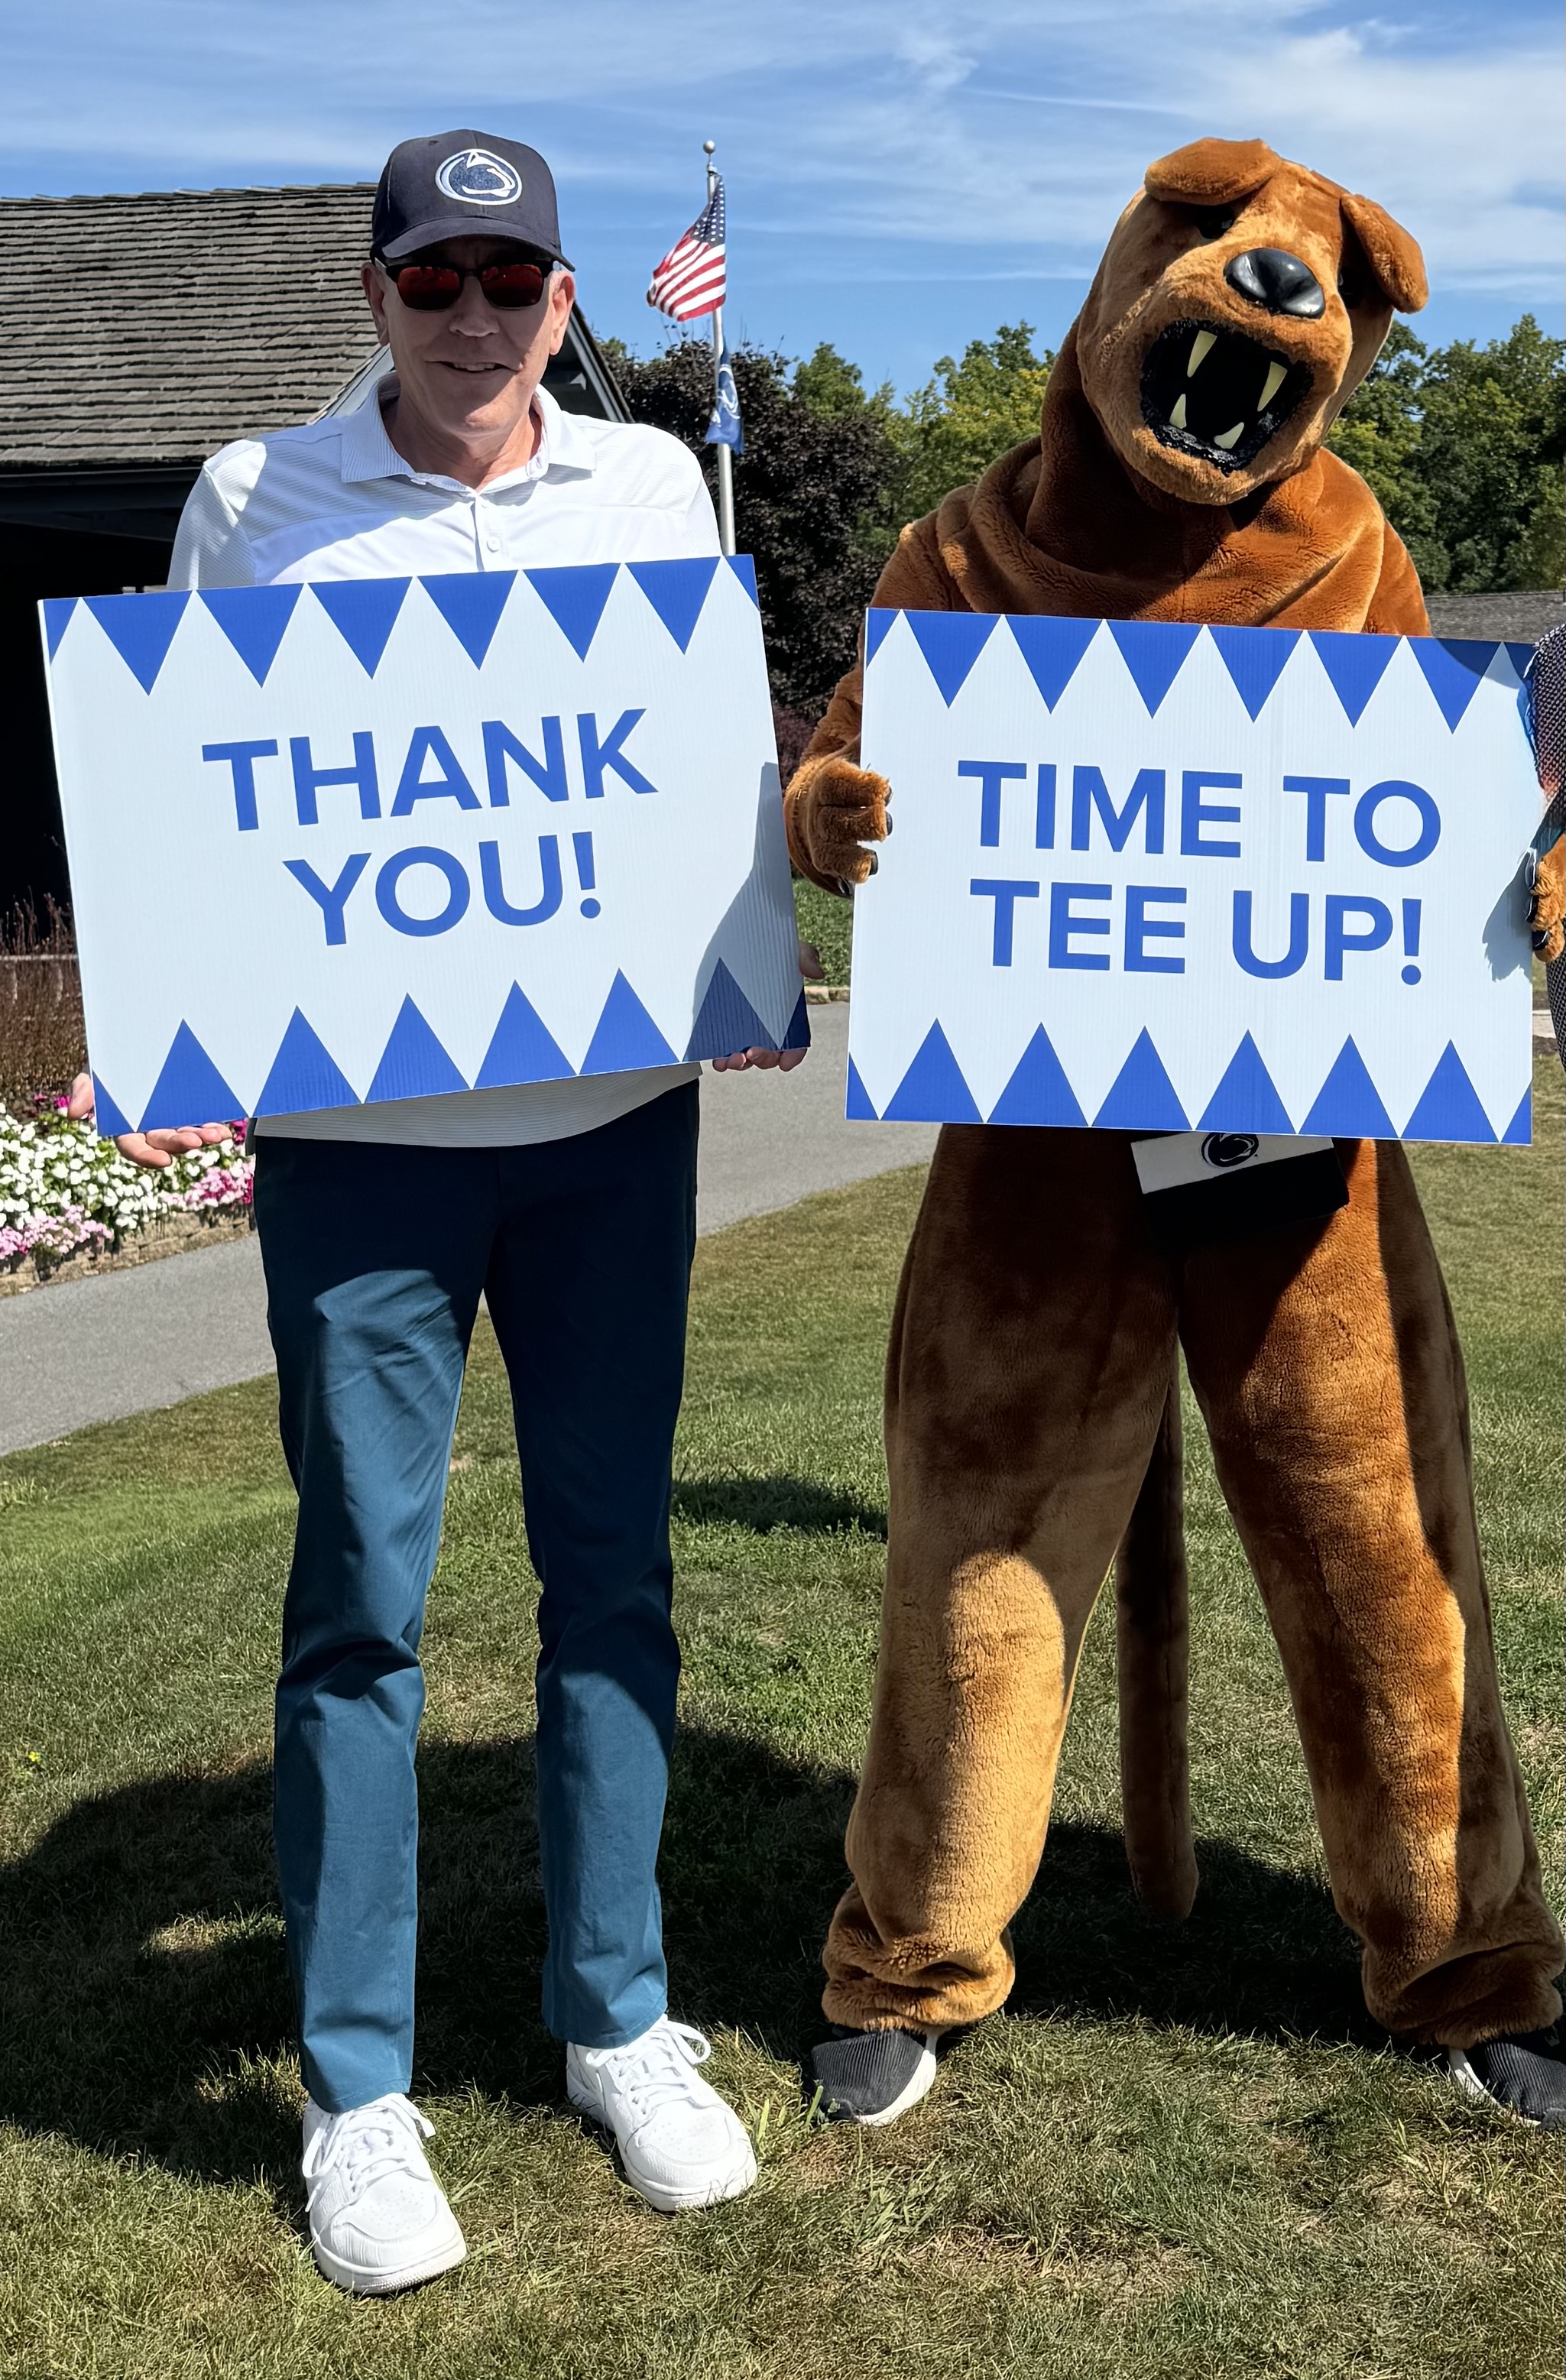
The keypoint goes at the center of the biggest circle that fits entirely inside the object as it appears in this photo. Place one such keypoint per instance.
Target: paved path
(89, 1351)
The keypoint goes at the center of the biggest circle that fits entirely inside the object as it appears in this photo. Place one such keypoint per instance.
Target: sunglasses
(434, 289)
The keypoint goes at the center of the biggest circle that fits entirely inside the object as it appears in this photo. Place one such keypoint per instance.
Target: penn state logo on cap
(479, 178)
(450, 185)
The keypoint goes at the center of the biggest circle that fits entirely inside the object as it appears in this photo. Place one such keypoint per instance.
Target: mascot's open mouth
(1216, 394)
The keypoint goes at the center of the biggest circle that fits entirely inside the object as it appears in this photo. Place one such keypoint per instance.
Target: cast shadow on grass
(776, 1503)
(143, 1990)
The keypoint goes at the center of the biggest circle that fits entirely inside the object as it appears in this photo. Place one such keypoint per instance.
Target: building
(138, 335)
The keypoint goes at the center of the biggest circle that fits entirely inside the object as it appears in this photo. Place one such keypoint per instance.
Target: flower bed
(64, 1193)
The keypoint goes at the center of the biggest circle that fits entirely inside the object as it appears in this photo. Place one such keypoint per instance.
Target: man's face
(472, 369)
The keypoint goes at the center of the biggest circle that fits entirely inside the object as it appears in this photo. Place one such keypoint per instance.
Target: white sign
(374, 839)
(1160, 878)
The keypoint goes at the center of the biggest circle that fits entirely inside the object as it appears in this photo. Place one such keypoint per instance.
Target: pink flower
(56, 1235)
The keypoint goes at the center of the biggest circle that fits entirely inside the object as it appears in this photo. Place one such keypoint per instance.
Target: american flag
(689, 280)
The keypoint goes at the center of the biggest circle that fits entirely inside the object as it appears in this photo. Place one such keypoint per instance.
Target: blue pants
(375, 1258)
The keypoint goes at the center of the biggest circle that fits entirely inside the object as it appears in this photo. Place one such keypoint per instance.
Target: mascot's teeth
(1231, 437)
(1200, 345)
(1177, 417)
(1277, 374)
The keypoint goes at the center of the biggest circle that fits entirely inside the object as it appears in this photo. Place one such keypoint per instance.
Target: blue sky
(902, 175)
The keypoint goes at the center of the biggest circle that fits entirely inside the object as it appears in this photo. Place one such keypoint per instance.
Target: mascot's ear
(1207, 173)
(1394, 257)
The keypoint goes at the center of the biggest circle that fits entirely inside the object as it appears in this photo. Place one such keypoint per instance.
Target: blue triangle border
(254, 621)
(472, 603)
(1449, 1108)
(951, 643)
(1247, 1099)
(934, 1088)
(1254, 658)
(677, 591)
(1154, 651)
(1053, 646)
(857, 1106)
(58, 613)
(414, 1064)
(109, 1118)
(1348, 1106)
(1453, 668)
(521, 1048)
(626, 1039)
(1142, 1097)
(1355, 662)
(726, 1022)
(878, 625)
(576, 595)
(189, 1088)
(303, 1074)
(141, 628)
(364, 612)
(1038, 1090)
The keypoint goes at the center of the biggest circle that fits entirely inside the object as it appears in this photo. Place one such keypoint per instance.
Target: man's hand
(785, 1060)
(1547, 904)
(154, 1148)
(839, 809)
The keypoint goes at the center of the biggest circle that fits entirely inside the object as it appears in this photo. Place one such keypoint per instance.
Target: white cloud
(1462, 148)
(1002, 130)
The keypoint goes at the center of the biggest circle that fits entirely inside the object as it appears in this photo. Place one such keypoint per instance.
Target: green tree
(972, 411)
(830, 385)
(1378, 434)
(1490, 445)
(816, 468)
(1463, 447)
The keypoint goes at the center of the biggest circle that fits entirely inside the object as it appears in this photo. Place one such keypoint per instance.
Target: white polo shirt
(333, 499)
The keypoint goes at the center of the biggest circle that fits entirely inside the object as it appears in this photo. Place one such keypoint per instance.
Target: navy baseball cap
(453, 183)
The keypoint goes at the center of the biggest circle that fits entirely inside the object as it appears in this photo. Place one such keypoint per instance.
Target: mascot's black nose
(1271, 277)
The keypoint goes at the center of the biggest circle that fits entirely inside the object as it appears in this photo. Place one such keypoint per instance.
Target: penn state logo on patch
(1226, 1148)
(476, 178)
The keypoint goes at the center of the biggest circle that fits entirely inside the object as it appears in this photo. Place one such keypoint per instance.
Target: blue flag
(724, 428)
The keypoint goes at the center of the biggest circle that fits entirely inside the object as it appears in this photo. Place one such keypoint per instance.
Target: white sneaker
(378, 2218)
(679, 2144)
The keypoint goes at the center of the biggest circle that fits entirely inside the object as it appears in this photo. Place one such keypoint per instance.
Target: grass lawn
(827, 921)
(1182, 2154)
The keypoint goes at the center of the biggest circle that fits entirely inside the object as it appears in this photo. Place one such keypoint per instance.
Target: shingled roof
(1523, 615)
(155, 328)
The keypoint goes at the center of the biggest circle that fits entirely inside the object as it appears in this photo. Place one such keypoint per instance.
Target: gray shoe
(1525, 2074)
(873, 2078)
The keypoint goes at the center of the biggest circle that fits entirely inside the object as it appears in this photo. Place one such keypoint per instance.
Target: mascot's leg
(1030, 1357)
(1328, 1370)
(1152, 1633)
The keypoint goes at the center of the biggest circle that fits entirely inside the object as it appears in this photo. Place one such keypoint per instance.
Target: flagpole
(725, 454)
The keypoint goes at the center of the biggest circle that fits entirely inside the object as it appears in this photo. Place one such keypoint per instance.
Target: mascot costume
(1032, 1418)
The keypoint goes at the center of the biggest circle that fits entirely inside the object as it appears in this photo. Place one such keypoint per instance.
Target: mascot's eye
(1351, 283)
(1213, 222)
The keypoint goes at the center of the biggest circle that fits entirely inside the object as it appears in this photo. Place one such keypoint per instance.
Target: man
(569, 1206)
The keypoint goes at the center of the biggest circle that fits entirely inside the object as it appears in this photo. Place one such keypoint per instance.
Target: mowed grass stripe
(1183, 2152)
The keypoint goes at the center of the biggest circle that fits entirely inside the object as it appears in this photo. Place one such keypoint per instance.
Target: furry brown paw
(1546, 909)
(834, 810)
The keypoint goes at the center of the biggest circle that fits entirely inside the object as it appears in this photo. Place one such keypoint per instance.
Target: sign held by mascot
(1153, 875)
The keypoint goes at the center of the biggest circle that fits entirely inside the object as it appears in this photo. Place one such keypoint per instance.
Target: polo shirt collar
(368, 454)
(569, 446)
